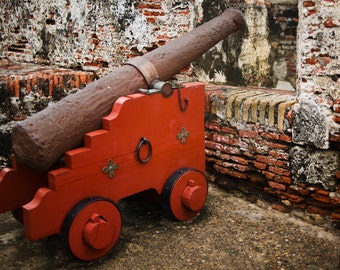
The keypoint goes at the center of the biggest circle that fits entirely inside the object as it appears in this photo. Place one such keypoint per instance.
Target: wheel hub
(97, 232)
(193, 196)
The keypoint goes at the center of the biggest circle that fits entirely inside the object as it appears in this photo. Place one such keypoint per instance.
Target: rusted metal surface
(42, 139)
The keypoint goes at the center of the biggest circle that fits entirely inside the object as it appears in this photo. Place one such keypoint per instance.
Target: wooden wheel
(185, 193)
(92, 228)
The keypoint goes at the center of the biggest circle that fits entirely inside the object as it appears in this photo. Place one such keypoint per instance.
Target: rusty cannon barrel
(42, 139)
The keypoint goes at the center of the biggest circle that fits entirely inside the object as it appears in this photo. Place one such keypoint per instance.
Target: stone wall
(318, 80)
(101, 35)
(263, 54)
(316, 125)
(249, 142)
(307, 173)
(90, 35)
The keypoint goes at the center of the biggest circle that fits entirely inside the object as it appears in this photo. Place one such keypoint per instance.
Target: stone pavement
(229, 233)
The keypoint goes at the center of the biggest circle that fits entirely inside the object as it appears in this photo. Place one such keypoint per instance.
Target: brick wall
(101, 35)
(249, 143)
(28, 88)
(90, 35)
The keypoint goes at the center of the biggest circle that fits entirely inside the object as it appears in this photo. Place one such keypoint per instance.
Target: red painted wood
(18, 186)
(87, 174)
(154, 117)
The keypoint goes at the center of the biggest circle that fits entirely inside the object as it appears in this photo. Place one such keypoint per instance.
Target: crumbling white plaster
(255, 50)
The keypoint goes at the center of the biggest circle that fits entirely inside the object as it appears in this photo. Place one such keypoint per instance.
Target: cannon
(79, 198)
(150, 137)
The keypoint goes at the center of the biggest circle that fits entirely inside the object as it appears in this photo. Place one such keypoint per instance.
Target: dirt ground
(229, 233)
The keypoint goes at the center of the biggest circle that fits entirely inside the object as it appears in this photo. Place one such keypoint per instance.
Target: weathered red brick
(319, 211)
(318, 203)
(312, 189)
(278, 154)
(229, 130)
(238, 143)
(153, 13)
(239, 160)
(270, 136)
(219, 162)
(256, 178)
(269, 175)
(336, 108)
(213, 126)
(271, 191)
(230, 172)
(311, 12)
(209, 136)
(291, 197)
(280, 207)
(248, 153)
(238, 174)
(336, 119)
(279, 171)
(273, 145)
(148, 6)
(334, 137)
(321, 198)
(276, 185)
(311, 61)
(335, 216)
(151, 20)
(308, 3)
(184, 12)
(248, 133)
(221, 138)
(329, 23)
(258, 150)
(222, 156)
(260, 165)
(265, 159)
(281, 19)
(235, 166)
(210, 159)
(299, 190)
(214, 145)
(335, 201)
(232, 150)
(322, 192)
(301, 206)
(283, 179)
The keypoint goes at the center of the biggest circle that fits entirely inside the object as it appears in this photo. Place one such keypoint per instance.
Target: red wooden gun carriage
(146, 142)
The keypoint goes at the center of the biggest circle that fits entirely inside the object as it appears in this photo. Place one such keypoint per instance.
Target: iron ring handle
(141, 143)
